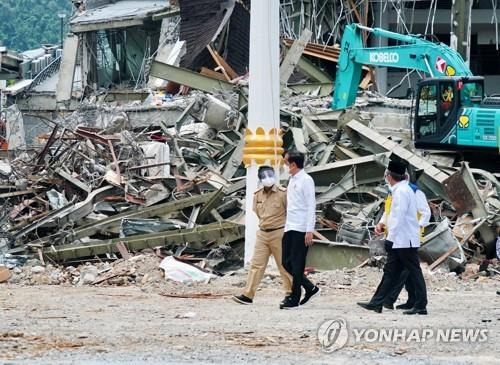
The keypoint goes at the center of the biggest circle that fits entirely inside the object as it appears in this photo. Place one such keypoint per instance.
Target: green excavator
(451, 110)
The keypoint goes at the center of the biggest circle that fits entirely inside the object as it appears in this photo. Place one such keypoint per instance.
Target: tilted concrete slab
(432, 178)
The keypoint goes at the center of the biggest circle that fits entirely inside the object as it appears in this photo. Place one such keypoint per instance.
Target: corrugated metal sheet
(200, 20)
(238, 43)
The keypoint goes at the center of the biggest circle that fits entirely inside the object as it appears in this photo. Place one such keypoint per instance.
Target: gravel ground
(142, 324)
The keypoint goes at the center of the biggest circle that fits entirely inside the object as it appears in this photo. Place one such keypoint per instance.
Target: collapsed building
(132, 139)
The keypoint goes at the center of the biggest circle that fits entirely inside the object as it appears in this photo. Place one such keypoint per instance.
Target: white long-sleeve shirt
(422, 208)
(402, 223)
(301, 203)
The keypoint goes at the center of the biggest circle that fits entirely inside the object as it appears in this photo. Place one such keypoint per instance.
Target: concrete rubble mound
(106, 173)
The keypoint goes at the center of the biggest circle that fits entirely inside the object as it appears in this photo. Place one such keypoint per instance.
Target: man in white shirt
(299, 227)
(423, 216)
(401, 244)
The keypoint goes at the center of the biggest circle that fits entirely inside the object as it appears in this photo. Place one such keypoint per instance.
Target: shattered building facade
(446, 20)
(132, 139)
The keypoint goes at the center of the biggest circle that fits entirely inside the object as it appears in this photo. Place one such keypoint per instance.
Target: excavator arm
(414, 52)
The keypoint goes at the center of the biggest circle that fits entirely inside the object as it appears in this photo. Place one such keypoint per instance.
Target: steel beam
(74, 181)
(347, 183)
(314, 72)
(369, 169)
(234, 161)
(115, 221)
(326, 255)
(209, 206)
(208, 84)
(220, 232)
(51, 216)
(314, 131)
(189, 78)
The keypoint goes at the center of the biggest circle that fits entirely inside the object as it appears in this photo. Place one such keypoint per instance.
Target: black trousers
(379, 296)
(406, 282)
(398, 260)
(294, 255)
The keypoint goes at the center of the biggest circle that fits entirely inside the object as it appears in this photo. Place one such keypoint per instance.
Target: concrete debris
(140, 160)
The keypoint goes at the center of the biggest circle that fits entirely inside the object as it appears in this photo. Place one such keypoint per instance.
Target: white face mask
(286, 169)
(268, 181)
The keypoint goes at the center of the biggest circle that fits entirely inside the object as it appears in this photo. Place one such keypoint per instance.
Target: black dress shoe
(405, 306)
(242, 299)
(389, 306)
(416, 311)
(287, 297)
(370, 307)
(312, 293)
(289, 303)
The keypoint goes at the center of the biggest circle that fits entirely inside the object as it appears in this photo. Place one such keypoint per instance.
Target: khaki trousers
(268, 243)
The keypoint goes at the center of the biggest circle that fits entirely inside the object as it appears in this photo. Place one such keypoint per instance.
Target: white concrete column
(264, 96)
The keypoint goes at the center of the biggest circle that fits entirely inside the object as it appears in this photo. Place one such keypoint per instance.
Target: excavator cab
(439, 105)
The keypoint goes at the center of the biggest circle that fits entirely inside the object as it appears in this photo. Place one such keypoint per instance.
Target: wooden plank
(211, 73)
(328, 223)
(123, 250)
(221, 62)
(320, 236)
(442, 258)
(366, 81)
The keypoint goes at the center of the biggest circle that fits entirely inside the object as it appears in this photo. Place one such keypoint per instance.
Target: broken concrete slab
(432, 179)
(67, 69)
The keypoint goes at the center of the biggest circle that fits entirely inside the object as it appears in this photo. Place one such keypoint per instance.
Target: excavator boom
(416, 53)
(451, 111)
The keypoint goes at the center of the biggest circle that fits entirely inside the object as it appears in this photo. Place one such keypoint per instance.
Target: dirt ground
(64, 324)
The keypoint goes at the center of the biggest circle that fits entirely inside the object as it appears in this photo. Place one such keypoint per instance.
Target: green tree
(26, 24)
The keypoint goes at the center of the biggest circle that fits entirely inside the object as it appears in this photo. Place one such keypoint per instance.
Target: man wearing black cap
(401, 243)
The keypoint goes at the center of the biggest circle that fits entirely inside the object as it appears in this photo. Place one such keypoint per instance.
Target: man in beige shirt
(269, 203)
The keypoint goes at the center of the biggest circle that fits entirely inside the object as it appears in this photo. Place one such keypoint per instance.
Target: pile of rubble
(111, 176)
(104, 194)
